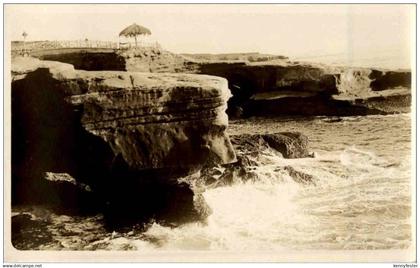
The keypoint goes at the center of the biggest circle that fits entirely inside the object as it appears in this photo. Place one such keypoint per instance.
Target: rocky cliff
(287, 88)
(268, 85)
(127, 135)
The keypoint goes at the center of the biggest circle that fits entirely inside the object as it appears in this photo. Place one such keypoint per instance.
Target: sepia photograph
(209, 133)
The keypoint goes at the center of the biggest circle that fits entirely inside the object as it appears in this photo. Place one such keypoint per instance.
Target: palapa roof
(134, 30)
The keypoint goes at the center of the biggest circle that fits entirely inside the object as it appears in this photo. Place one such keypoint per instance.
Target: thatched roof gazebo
(134, 30)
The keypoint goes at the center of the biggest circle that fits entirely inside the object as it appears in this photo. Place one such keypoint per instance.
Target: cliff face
(269, 85)
(132, 112)
(122, 133)
(284, 88)
(156, 121)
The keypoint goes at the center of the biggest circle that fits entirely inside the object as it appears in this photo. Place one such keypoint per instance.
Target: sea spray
(361, 198)
(343, 211)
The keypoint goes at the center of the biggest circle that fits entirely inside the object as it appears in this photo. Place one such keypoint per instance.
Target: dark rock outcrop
(249, 148)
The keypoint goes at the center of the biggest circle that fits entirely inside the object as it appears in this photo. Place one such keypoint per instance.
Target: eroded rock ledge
(149, 119)
(124, 134)
(292, 88)
(269, 85)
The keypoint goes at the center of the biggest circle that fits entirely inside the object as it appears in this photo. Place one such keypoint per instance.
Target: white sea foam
(361, 197)
(359, 202)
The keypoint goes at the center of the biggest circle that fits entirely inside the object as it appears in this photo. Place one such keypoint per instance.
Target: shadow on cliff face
(241, 83)
(247, 80)
(129, 200)
(90, 61)
(47, 136)
(242, 88)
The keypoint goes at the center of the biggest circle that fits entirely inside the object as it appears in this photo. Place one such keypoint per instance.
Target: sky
(347, 33)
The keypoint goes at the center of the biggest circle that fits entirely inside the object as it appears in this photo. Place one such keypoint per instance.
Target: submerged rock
(28, 233)
(249, 149)
(299, 176)
(289, 144)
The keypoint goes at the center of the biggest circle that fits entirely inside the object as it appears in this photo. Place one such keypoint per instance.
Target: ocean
(361, 197)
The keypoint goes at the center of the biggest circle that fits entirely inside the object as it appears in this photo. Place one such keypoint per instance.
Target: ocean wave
(359, 197)
(357, 204)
